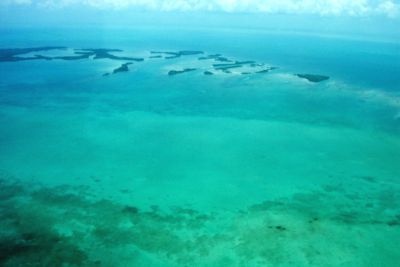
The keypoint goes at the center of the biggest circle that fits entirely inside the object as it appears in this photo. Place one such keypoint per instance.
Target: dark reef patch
(28, 237)
(208, 73)
(313, 77)
(130, 209)
(370, 179)
(280, 228)
(65, 225)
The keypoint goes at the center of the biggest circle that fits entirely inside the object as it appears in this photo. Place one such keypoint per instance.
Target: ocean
(151, 146)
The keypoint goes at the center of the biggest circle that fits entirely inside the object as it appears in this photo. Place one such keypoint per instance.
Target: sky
(379, 17)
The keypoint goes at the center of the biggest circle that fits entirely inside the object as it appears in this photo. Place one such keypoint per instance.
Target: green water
(145, 169)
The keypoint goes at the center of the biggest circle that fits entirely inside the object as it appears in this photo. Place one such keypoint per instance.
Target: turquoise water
(142, 168)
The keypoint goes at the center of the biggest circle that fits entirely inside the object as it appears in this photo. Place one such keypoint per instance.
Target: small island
(313, 77)
(12, 54)
(217, 64)
(236, 64)
(216, 57)
(97, 54)
(227, 66)
(266, 70)
(105, 53)
(263, 71)
(122, 68)
(43, 57)
(172, 55)
(175, 72)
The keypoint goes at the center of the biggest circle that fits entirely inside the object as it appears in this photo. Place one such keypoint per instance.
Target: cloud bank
(388, 8)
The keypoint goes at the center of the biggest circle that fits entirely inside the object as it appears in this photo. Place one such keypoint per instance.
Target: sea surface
(171, 161)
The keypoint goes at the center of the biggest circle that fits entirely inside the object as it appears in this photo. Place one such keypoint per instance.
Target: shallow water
(142, 168)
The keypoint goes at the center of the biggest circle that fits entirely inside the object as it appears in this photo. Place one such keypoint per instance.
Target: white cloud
(389, 8)
(16, 2)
